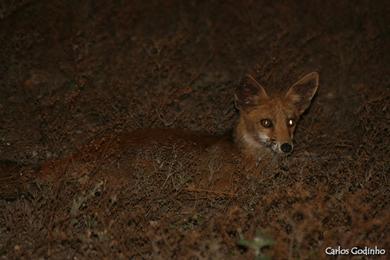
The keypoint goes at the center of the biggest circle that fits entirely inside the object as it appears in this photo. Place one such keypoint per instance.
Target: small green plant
(258, 243)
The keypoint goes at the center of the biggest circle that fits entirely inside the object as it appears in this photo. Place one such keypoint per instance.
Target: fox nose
(286, 148)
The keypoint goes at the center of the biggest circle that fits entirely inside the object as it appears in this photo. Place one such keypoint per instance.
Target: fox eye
(266, 123)
(290, 122)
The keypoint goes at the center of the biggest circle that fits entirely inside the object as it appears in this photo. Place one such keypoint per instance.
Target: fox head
(270, 121)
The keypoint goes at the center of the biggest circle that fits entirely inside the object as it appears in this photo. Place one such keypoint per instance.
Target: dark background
(74, 71)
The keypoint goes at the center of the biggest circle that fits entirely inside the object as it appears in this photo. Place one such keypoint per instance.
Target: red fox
(267, 123)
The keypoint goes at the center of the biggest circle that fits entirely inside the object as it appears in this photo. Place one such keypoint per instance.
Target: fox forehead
(273, 108)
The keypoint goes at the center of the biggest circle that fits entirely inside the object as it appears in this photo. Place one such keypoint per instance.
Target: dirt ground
(78, 77)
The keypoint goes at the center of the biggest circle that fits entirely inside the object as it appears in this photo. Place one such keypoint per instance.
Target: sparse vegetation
(78, 77)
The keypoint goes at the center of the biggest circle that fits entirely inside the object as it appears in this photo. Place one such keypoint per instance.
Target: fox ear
(302, 92)
(249, 93)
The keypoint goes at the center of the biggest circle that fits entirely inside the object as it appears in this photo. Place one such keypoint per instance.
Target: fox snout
(286, 148)
(283, 148)
(279, 144)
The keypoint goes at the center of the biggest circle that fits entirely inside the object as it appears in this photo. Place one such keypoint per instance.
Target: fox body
(267, 123)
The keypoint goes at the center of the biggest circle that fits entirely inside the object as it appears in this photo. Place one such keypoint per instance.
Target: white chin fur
(263, 138)
(276, 148)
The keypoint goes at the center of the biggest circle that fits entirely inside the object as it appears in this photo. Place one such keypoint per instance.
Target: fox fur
(267, 123)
